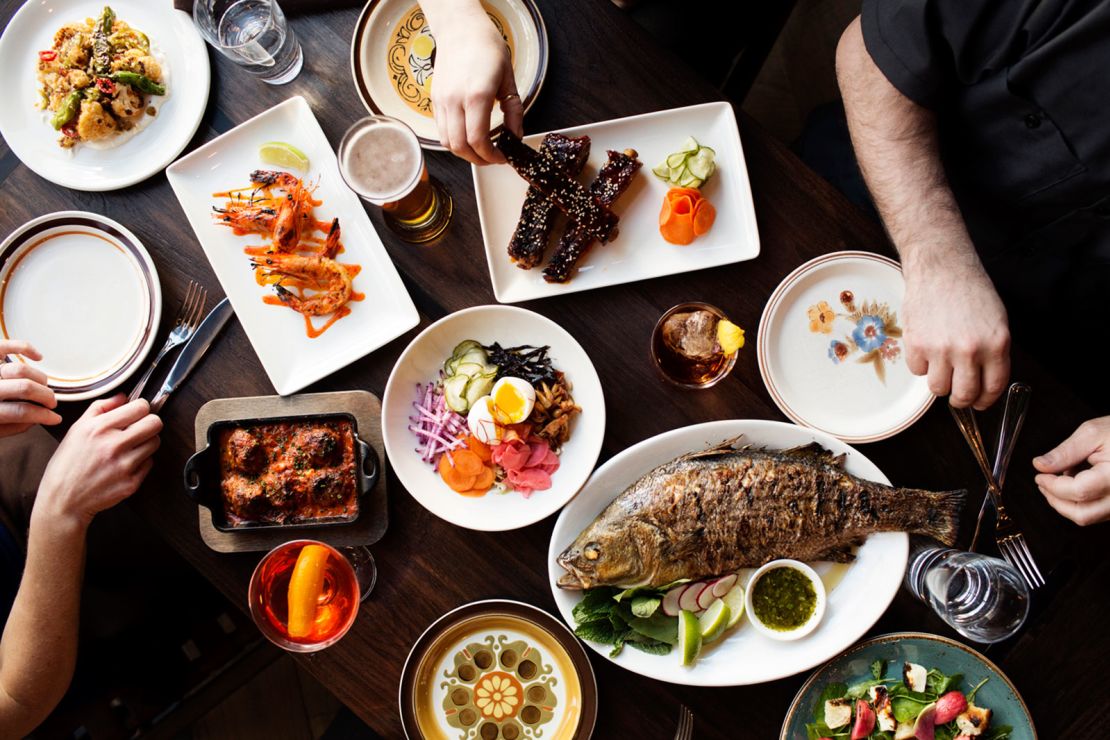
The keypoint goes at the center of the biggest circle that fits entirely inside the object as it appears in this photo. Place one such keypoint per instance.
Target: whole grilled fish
(713, 512)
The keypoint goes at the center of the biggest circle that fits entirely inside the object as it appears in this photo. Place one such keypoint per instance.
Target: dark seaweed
(525, 361)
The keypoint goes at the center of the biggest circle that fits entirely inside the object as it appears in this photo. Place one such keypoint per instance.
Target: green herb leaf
(999, 732)
(878, 668)
(645, 606)
(938, 683)
(599, 630)
(653, 647)
(596, 603)
(971, 694)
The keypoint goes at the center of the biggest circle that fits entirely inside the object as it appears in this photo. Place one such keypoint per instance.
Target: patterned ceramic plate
(931, 651)
(831, 351)
(393, 53)
(493, 670)
(83, 290)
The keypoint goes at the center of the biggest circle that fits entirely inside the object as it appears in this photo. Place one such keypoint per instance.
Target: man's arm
(956, 329)
(101, 461)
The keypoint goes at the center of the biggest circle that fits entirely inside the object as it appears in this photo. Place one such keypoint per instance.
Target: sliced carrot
(683, 205)
(479, 448)
(694, 193)
(474, 492)
(467, 462)
(704, 215)
(666, 213)
(676, 220)
(451, 473)
(485, 479)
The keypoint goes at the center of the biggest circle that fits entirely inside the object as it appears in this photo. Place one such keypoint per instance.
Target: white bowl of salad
(493, 418)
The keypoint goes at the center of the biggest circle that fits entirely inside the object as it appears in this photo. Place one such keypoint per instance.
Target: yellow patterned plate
(498, 670)
(393, 53)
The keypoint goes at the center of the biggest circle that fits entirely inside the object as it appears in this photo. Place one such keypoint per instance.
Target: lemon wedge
(729, 336)
(280, 154)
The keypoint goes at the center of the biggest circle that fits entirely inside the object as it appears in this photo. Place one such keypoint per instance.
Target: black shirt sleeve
(928, 47)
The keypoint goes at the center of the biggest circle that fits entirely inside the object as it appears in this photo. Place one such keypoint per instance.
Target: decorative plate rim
(527, 99)
(897, 637)
(773, 390)
(541, 618)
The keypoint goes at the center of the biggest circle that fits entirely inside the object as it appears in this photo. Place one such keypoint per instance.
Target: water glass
(982, 598)
(253, 34)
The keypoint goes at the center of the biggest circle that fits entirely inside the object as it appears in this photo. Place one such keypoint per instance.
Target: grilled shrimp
(291, 211)
(329, 279)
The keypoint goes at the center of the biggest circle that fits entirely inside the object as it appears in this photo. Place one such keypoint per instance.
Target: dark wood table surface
(602, 66)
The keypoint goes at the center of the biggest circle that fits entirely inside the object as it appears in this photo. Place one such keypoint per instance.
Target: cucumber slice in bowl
(454, 393)
(479, 385)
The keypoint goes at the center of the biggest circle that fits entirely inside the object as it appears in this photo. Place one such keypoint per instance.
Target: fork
(188, 318)
(1010, 540)
(1013, 417)
(685, 729)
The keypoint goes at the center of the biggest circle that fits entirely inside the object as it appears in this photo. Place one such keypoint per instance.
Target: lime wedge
(735, 600)
(729, 336)
(714, 620)
(280, 154)
(689, 637)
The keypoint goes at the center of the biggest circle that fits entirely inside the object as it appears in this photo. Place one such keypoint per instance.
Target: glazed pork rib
(545, 175)
(537, 217)
(611, 182)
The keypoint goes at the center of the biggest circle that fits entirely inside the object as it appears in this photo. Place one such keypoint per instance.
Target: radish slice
(670, 601)
(689, 598)
(723, 585)
(706, 597)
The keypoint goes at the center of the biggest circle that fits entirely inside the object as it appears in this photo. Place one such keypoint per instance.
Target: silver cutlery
(1013, 417)
(1010, 540)
(188, 318)
(194, 350)
(685, 729)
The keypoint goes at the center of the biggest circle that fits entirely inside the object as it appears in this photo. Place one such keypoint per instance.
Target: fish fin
(722, 448)
(839, 554)
(941, 518)
(815, 452)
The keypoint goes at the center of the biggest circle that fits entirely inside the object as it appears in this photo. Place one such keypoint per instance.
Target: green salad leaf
(644, 606)
(878, 668)
(626, 617)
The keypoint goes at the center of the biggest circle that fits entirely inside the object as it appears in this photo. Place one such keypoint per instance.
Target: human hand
(956, 333)
(472, 70)
(101, 461)
(25, 397)
(1084, 496)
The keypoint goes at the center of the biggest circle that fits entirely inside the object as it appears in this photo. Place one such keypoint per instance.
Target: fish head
(604, 555)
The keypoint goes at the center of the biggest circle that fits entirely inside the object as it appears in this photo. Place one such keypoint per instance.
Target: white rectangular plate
(639, 252)
(290, 358)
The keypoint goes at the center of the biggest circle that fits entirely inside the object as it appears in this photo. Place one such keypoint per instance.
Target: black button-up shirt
(1021, 89)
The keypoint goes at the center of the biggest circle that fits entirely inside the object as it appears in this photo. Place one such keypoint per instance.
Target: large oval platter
(858, 594)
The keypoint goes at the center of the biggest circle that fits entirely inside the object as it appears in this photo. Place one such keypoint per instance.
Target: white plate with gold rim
(497, 669)
(857, 593)
(83, 290)
(831, 351)
(393, 52)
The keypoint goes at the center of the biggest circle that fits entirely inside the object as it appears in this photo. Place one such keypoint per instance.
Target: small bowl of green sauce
(785, 599)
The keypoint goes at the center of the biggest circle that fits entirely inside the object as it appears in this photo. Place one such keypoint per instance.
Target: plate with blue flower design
(831, 350)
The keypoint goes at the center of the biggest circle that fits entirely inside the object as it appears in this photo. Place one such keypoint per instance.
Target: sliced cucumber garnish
(689, 167)
(454, 393)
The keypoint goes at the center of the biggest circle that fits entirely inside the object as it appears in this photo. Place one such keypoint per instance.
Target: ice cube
(692, 334)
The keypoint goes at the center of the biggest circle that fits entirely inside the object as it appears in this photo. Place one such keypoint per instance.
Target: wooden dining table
(602, 66)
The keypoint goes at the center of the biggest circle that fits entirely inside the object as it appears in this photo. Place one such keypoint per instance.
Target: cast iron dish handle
(367, 480)
(194, 482)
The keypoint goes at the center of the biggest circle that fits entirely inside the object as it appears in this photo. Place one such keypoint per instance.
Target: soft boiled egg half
(510, 401)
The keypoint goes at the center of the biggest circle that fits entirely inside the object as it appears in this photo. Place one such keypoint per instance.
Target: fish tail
(941, 515)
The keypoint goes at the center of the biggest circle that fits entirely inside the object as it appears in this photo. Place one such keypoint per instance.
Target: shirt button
(1032, 120)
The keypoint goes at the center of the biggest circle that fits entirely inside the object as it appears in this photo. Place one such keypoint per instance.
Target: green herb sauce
(784, 599)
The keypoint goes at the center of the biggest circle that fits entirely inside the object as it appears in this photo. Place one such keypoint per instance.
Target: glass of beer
(304, 594)
(381, 160)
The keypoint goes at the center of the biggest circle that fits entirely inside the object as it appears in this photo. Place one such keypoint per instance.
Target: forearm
(39, 646)
(444, 11)
(896, 144)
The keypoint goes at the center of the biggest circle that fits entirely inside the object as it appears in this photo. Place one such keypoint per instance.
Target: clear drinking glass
(304, 604)
(982, 598)
(684, 346)
(253, 34)
(381, 160)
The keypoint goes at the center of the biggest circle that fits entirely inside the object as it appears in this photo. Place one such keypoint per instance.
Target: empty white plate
(30, 135)
(639, 251)
(831, 350)
(83, 290)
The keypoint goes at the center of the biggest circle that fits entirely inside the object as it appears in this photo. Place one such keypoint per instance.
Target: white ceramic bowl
(420, 363)
(818, 611)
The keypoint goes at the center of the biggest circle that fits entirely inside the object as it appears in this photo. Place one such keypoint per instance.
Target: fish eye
(592, 551)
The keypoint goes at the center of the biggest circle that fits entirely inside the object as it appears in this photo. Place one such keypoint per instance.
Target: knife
(193, 351)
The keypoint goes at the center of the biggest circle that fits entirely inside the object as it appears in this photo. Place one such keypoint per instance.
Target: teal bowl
(930, 651)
